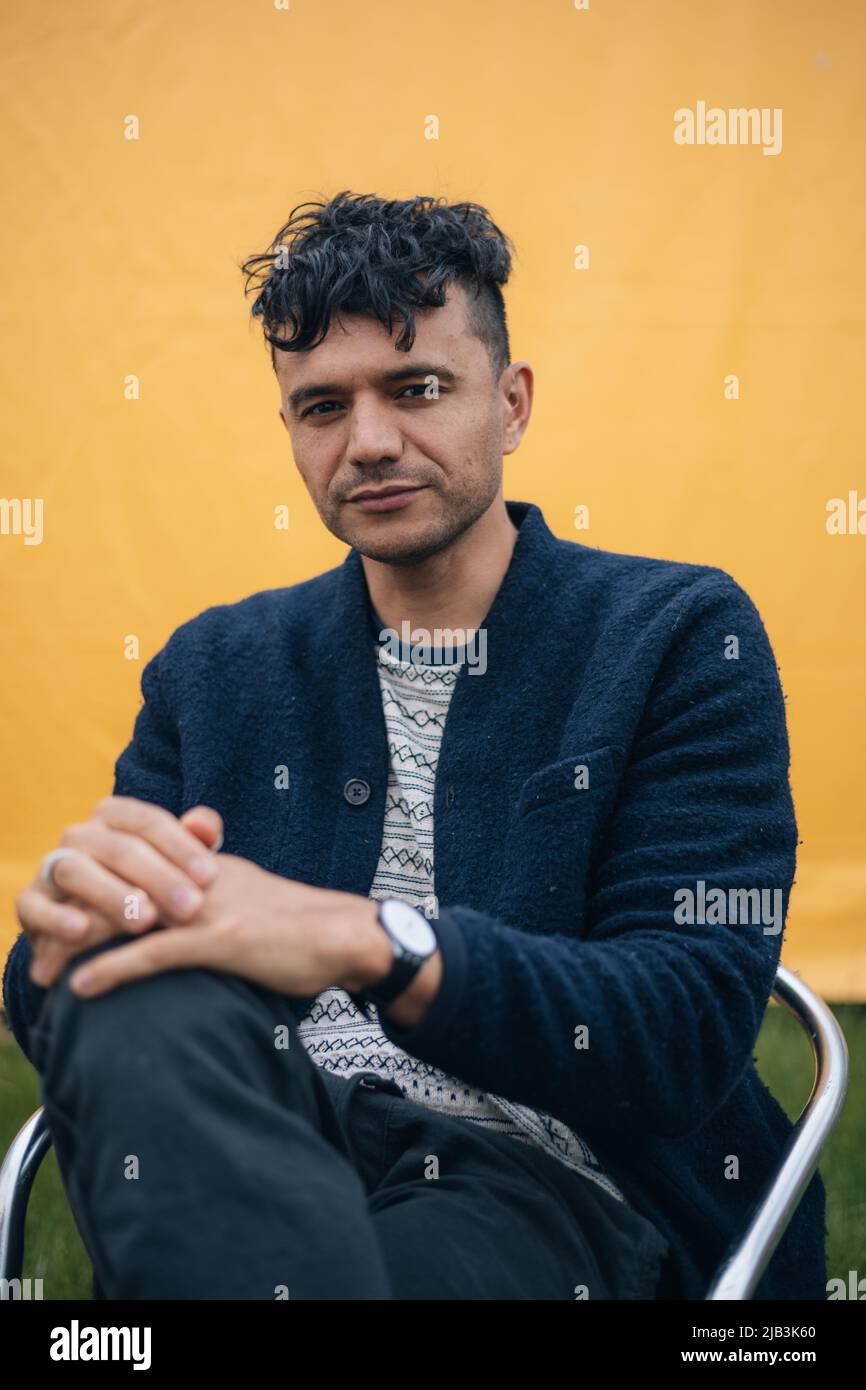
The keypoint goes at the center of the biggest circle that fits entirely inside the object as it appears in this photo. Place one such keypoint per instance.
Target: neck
(453, 589)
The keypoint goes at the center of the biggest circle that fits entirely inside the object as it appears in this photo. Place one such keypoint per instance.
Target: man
(466, 1007)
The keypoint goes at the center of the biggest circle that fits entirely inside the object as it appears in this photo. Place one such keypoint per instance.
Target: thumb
(206, 823)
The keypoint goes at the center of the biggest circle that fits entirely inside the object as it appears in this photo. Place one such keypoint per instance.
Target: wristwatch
(413, 940)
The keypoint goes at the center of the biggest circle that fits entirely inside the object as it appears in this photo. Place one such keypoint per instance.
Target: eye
(314, 410)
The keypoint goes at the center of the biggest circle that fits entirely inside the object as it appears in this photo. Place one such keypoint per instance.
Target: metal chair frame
(746, 1261)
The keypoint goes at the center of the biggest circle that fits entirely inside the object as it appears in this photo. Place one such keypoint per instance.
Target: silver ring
(46, 868)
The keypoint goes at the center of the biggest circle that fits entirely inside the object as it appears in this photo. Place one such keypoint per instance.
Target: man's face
(371, 418)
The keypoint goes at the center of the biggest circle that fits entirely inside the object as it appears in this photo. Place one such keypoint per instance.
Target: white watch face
(410, 926)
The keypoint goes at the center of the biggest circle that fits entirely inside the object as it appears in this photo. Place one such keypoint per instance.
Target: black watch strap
(405, 967)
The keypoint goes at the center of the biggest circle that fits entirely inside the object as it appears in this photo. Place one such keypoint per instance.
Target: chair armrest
(20, 1165)
(743, 1267)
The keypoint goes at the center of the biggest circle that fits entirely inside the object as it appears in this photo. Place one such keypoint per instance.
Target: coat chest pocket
(558, 817)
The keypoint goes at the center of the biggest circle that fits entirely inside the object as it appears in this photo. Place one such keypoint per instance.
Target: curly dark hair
(360, 254)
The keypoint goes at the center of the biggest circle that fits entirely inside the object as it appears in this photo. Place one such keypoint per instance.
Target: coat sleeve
(672, 1008)
(149, 769)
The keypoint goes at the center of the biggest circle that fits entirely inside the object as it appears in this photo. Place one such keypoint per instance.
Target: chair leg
(20, 1166)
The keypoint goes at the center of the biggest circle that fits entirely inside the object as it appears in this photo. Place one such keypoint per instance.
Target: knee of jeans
(161, 1010)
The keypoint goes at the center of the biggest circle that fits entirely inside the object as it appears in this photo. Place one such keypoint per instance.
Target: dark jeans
(201, 1159)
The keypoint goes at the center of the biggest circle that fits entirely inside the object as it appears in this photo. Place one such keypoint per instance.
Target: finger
(135, 864)
(51, 956)
(165, 832)
(49, 959)
(38, 912)
(207, 824)
(172, 949)
(84, 878)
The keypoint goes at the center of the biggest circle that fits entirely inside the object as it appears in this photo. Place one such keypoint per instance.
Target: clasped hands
(143, 872)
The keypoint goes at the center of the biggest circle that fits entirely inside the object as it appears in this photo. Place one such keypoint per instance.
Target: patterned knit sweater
(415, 699)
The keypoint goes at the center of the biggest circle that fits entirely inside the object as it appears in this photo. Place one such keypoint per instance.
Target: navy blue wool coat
(558, 890)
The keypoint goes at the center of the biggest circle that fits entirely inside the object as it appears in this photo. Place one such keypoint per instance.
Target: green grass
(785, 1064)
(52, 1245)
(54, 1253)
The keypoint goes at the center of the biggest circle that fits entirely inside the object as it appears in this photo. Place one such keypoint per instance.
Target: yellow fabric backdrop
(120, 257)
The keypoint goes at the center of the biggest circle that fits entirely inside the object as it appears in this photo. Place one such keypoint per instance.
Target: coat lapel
(496, 732)
(499, 725)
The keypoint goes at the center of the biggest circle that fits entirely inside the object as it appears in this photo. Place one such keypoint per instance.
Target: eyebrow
(302, 394)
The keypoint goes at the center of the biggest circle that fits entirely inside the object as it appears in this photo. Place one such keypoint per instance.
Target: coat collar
(522, 586)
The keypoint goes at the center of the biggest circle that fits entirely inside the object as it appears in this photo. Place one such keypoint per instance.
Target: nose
(373, 435)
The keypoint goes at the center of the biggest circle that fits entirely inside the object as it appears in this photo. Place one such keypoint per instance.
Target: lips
(390, 491)
(388, 499)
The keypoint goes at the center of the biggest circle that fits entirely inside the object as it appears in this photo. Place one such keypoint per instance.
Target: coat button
(356, 791)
